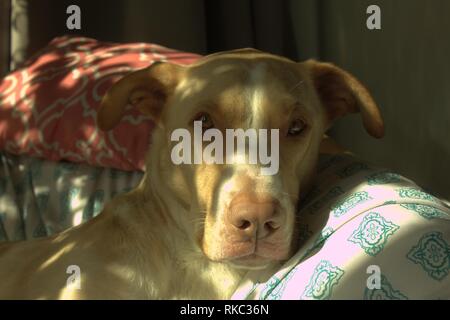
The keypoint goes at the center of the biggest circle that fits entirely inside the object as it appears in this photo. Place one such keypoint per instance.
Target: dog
(192, 231)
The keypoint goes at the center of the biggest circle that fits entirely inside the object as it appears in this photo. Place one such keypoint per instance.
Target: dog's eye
(297, 127)
(206, 120)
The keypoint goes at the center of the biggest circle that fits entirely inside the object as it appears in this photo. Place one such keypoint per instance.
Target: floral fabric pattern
(360, 218)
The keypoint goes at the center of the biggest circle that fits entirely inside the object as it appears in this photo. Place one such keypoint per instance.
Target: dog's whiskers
(200, 221)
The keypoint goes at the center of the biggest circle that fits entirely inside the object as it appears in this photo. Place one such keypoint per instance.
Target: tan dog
(192, 231)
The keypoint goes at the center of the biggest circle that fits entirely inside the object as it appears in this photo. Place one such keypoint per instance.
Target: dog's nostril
(244, 224)
(271, 226)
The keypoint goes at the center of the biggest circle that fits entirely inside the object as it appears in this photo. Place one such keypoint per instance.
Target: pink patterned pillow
(48, 107)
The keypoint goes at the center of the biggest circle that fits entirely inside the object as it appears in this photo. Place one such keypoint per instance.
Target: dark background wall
(405, 64)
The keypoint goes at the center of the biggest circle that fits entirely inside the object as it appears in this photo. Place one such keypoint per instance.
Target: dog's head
(240, 210)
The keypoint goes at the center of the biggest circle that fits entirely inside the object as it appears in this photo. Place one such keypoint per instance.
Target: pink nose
(252, 217)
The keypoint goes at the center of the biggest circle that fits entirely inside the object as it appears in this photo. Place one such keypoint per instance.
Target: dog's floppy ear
(147, 89)
(341, 93)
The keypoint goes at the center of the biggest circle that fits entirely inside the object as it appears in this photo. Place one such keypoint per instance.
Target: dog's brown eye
(206, 120)
(297, 127)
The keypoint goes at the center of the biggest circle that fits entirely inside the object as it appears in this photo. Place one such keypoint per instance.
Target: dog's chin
(251, 262)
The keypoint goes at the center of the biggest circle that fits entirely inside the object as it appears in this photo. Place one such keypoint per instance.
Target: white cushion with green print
(365, 233)
(40, 197)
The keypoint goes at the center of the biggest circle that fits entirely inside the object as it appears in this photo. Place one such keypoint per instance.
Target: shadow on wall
(406, 67)
(121, 21)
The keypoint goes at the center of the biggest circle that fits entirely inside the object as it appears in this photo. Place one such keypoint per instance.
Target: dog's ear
(341, 93)
(147, 89)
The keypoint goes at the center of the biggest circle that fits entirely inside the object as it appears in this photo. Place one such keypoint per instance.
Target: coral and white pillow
(48, 106)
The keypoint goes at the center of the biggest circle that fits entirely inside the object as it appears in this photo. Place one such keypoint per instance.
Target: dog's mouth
(251, 261)
(248, 255)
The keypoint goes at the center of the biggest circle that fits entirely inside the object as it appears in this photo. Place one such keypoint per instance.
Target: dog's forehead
(253, 85)
(244, 67)
(230, 72)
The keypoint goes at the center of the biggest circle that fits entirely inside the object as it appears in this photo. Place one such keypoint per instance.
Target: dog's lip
(250, 261)
(252, 252)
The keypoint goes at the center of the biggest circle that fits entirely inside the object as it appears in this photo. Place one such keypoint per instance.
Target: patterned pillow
(48, 106)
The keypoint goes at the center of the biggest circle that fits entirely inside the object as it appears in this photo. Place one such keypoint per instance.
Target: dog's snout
(254, 217)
